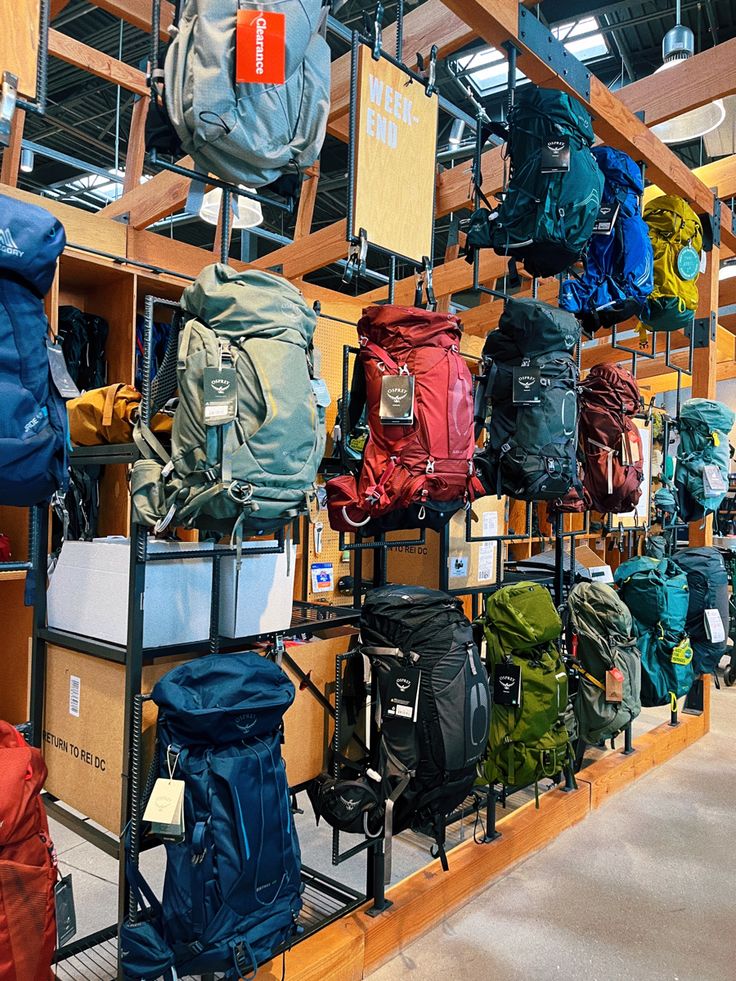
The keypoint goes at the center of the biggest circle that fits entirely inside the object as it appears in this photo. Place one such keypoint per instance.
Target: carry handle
(107, 412)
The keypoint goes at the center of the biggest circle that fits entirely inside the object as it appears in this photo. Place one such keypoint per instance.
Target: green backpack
(656, 592)
(528, 742)
(603, 638)
(545, 218)
(701, 476)
(249, 427)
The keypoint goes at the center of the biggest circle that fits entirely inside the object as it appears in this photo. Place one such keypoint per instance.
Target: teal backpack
(701, 477)
(656, 592)
(547, 214)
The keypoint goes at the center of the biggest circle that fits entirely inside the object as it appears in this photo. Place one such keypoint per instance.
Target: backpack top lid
(655, 590)
(597, 606)
(555, 109)
(31, 240)
(249, 302)
(534, 328)
(223, 698)
(520, 617)
(395, 327)
(619, 169)
(412, 618)
(612, 384)
(672, 218)
(708, 414)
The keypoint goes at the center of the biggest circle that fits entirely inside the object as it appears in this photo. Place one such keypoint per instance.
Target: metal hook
(357, 255)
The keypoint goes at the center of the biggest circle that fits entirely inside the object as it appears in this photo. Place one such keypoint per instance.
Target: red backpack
(27, 864)
(421, 473)
(609, 440)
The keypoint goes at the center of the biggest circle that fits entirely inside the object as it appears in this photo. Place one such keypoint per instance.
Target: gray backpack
(605, 640)
(256, 132)
(249, 426)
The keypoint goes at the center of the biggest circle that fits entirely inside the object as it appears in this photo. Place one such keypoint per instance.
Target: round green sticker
(688, 263)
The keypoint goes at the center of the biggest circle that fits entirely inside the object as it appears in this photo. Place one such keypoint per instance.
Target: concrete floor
(643, 890)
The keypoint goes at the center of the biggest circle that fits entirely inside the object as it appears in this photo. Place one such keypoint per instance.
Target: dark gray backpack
(527, 402)
(605, 639)
(256, 132)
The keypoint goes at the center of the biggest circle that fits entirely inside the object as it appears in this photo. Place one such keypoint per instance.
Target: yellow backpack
(676, 235)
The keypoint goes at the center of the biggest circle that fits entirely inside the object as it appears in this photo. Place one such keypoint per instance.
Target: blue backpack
(232, 892)
(33, 436)
(619, 266)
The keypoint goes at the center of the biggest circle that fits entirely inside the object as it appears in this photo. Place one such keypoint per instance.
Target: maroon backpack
(419, 473)
(610, 442)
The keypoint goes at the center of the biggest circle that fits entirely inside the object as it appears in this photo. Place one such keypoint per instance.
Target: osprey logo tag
(220, 385)
(555, 155)
(7, 243)
(403, 684)
(606, 219)
(397, 400)
(507, 684)
(526, 385)
(349, 805)
(397, 395)
(220, 395)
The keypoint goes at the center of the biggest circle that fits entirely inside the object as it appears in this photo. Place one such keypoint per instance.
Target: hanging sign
(394, 176)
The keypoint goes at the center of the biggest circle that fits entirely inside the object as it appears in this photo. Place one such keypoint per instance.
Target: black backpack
(527, 402)
(707, 580)
(83, 338)
(433, 716)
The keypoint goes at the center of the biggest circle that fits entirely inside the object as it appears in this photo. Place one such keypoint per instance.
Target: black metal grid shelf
(305, 618)
(96, 956)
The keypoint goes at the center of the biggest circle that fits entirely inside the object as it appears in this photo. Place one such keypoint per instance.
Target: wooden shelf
(12, 575)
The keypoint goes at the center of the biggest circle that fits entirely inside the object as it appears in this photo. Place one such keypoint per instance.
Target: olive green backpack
(602, 637)
(529, 742)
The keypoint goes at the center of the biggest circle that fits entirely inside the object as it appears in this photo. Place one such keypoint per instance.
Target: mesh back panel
(163, 386)
(24, 893)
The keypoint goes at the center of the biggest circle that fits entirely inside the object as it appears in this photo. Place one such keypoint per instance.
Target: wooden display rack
(110, 265)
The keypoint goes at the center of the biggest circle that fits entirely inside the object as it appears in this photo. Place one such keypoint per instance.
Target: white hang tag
(165, 809)
(714, 626)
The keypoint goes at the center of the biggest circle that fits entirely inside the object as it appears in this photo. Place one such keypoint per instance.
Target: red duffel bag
(419, 473)
(27, 864)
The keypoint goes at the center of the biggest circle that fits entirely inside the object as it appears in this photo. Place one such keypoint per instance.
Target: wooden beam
(448, 279)
(138, 13)
(308, 254)
(307, 200)
(136, 152)
(89, 59)
(720, 174)
(12, 152)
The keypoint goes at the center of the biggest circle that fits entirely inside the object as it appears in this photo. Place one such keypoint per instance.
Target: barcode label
(74, 689)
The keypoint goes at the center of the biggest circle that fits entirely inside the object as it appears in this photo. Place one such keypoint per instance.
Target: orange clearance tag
(260, 47)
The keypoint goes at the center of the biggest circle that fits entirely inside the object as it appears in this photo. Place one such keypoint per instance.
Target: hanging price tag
(614, 685)
(260, 47)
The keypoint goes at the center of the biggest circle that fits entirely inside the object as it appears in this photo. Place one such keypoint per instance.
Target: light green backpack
(528, 742)
(249, 426)
(606, 639)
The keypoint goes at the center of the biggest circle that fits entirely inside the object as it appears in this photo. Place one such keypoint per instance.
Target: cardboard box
(595, 567)
(265, 592)
(83, 730)
(469, 564)
(88, 593)
(308, 726)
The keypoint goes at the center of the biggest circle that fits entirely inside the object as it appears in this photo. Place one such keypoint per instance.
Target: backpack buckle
(240, 492)
(506, 447)
(430, 466)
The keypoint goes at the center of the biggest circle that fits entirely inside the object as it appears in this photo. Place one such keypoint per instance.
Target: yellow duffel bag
(107, 415)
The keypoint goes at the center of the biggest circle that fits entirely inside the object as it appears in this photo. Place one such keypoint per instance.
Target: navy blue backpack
(33, 424)
(619, 267)
(232, 892)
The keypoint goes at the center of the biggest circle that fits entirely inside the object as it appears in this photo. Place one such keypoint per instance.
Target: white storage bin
(265, 589)
(88, 593)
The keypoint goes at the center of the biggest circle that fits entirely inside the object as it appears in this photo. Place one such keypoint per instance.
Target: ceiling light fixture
(677, 46)
(456, 133)
(727, 270)
(247, 213)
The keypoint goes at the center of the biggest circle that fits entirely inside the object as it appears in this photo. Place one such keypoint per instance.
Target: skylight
(487, 71)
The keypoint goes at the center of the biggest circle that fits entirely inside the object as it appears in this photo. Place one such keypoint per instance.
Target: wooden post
(11, 153)
(705, 367)
(136, 152)
(307, 200)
